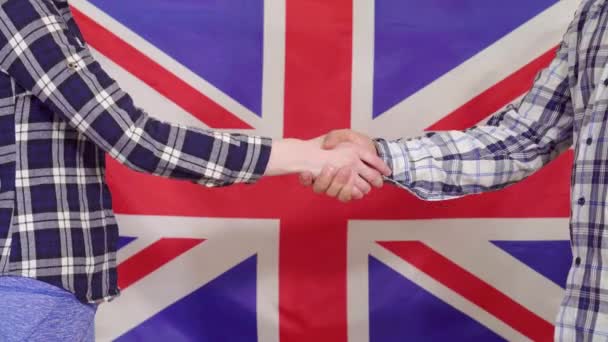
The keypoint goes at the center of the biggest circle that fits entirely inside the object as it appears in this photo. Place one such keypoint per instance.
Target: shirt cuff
(395, 155)
(252, 157)
(262, 161)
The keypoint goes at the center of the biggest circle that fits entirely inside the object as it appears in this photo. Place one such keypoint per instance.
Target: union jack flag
(274, 262)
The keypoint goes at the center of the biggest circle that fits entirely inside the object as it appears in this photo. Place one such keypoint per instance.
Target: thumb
(335, 138)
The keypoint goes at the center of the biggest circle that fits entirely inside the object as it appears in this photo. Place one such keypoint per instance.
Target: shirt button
(589, 141)
(577, 261)
(73, 66)
(581, 201)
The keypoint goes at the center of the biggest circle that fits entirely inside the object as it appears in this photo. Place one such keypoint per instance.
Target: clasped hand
(343, 164)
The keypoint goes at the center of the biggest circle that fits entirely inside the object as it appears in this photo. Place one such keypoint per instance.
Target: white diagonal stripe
(466, 242)
(490, 263)
(447, 295)
(229, 242)
(456, 87)
(273, 74)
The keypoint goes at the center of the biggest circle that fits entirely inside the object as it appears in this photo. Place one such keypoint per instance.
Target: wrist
(291, 156)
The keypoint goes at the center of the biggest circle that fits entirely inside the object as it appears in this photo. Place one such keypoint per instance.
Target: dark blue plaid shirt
(567, 106)
(59, 114)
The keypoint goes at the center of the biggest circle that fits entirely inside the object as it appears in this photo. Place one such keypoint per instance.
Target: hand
(354, 165)
(352, 169)
(340, 136)
(332, 181)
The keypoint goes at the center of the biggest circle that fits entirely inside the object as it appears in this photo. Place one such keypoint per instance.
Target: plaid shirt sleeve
(46, 58)
(511, 146)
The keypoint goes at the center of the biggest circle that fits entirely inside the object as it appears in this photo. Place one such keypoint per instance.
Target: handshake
(342, 164)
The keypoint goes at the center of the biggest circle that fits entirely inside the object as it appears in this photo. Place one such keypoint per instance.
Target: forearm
(452, 164)
(290, 156)
(511, 146)
(64, 75)
(206, 157)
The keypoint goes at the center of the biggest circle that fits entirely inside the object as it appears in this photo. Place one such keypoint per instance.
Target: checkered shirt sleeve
(511, 146)
(46, 58)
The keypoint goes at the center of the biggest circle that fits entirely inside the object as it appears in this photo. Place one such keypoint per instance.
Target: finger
(335, 138)
(342, 178)
(321, 184)
(306, 179)
(346, 194)
(370, 175)
(362, 185)
(376, 162)
(357, 193)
